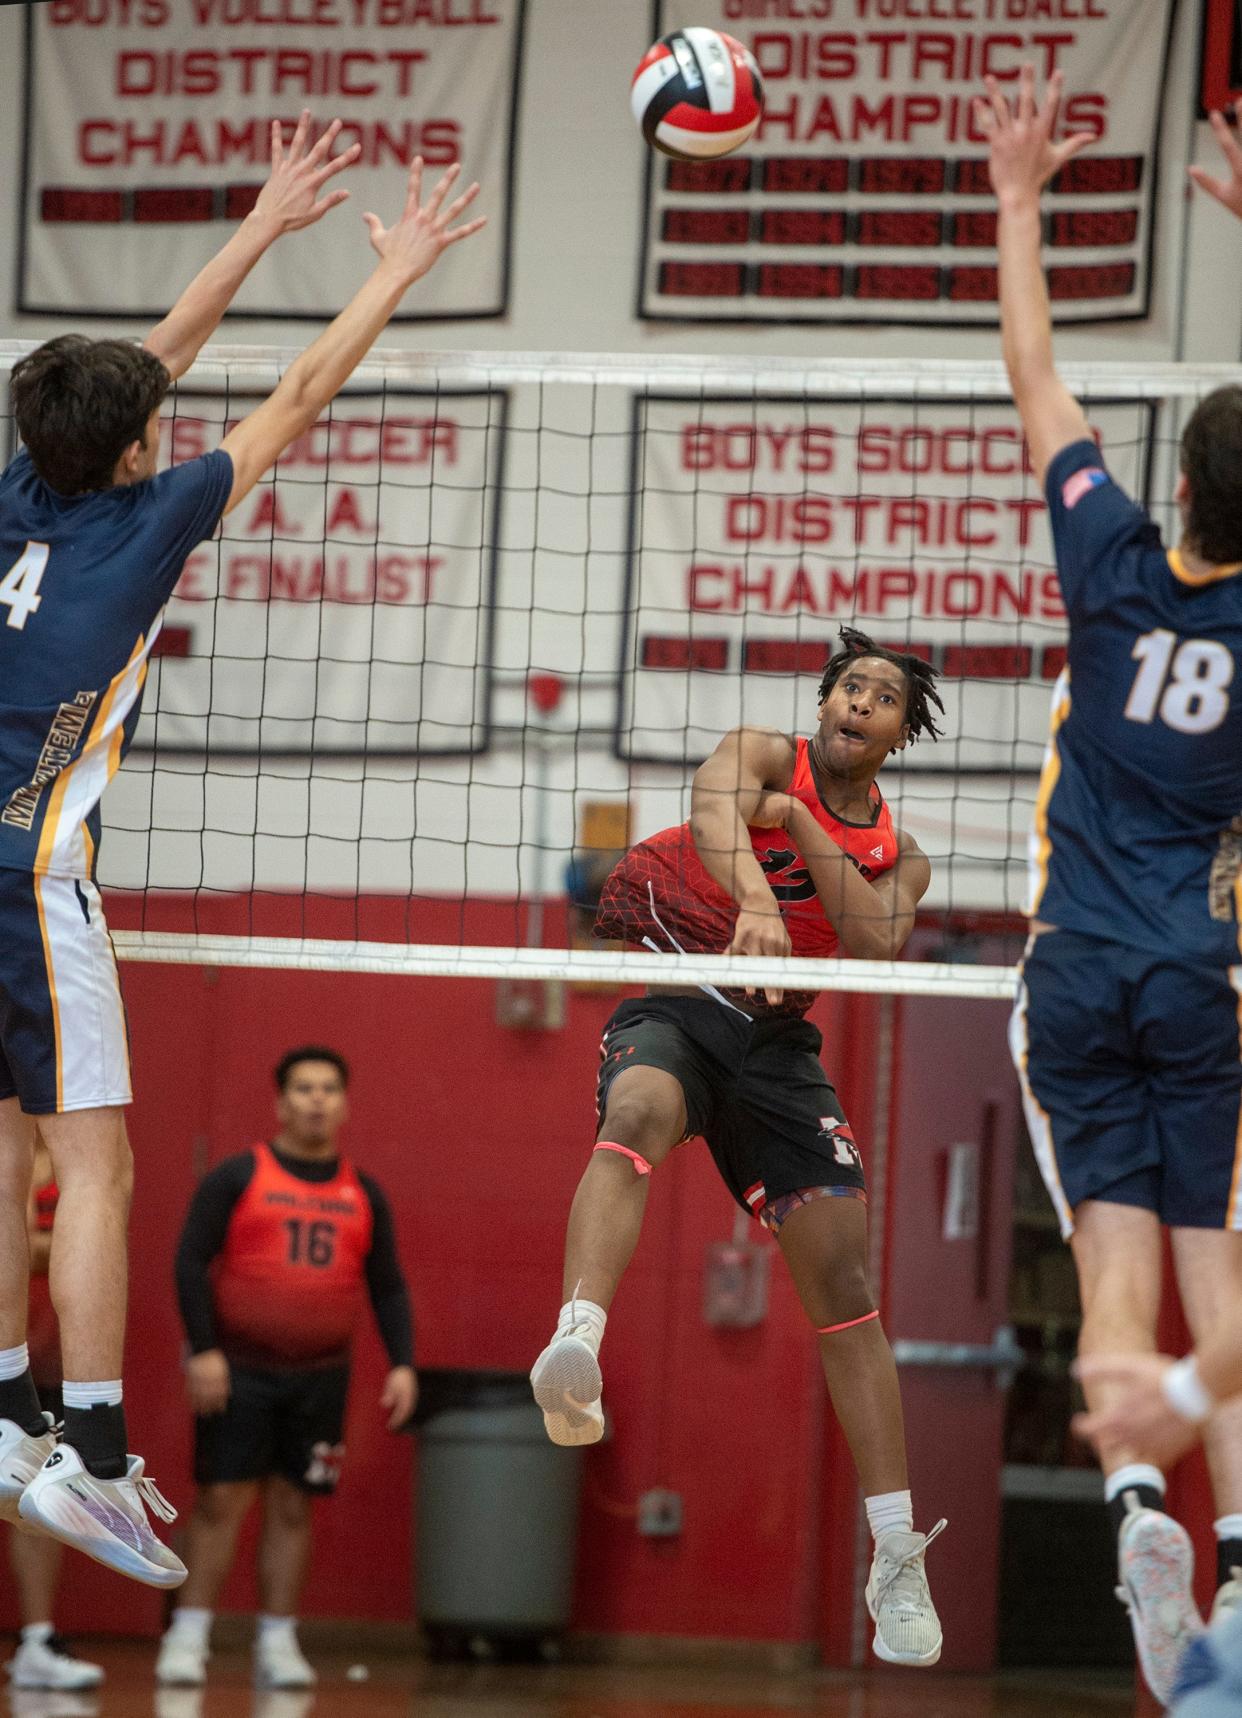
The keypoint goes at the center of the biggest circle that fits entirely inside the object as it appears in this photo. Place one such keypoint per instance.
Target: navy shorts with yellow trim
(1131, 1068)
(63, 1038)
(755, 1090)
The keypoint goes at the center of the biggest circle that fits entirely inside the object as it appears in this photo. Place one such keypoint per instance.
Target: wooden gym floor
(404, 1688)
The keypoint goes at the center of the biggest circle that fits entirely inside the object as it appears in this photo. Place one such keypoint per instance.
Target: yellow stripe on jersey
(1041, 841)
(49, 835)
(1235, 1190)
(1211, 576)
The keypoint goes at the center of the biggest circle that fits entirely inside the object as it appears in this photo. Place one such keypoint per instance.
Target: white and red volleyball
(697, 94)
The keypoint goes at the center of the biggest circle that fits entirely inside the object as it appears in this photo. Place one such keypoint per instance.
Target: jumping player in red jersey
(790, 848)
(281, 1245)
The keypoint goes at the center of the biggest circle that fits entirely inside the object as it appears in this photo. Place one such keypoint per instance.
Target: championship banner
(864, 196)
(147, 138)
(346, 607)
(760, 526)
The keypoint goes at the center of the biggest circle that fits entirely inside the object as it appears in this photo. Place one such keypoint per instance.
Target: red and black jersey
(277, 1256)
(662, 896)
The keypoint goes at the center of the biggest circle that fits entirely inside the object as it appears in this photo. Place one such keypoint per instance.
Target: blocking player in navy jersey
(1126, 1029)
(281, 1245)
(92, 543)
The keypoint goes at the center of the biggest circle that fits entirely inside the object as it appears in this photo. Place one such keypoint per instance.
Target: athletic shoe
(279, 1662)
(48, 1663)
(21, 1457)
(569, 1387)
(1228, 1598)
(182, 1660)
(1155, 1562)
(907, 1629)
(104, 1518)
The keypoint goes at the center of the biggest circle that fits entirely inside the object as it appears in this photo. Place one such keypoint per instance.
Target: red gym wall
(478, 1134)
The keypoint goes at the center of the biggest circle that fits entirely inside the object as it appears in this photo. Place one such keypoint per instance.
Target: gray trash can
(497, 1515)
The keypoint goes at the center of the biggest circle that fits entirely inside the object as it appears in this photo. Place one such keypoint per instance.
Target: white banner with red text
(864, 195)
(147, 137)
(760, 526)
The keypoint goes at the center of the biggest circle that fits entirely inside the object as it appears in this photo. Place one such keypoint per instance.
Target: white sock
(14, 1363)
(1126, 1478)
(107, 1393)
(272, 1628)
(889, 1510)
(37, 1633)
(191, 1622)
(1228, 1527)
(585, 1319)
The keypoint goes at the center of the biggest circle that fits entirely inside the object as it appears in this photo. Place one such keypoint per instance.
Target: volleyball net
(475, 633)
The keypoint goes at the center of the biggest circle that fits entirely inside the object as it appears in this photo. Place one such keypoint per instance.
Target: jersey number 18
(1188, 687)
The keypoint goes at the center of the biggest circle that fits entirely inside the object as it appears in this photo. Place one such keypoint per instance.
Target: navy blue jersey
(1138, 825)
(83, 582)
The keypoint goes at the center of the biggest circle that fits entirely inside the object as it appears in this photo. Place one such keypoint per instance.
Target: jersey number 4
(19, 588)
(1186, 683)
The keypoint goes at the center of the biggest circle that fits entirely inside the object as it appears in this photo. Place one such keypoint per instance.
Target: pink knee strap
(641, 1166)
(831, 1329)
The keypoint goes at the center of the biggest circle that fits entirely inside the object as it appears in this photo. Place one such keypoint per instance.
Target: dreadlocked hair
(920, 678)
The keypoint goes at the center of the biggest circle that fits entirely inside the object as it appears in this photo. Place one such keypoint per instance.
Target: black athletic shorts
(754, 1089)
(288, 1423)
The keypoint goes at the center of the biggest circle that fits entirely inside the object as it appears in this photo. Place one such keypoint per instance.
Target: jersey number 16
(1188, 687)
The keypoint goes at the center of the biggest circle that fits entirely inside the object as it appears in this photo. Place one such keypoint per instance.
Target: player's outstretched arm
(1023, 158)
(289, 201)
(1152, 1409)
(1229, 190)
(406, 250)
(872, 920)
(726, 792)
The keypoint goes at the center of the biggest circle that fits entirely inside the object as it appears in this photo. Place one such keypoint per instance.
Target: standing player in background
(92, 544)
(280, 1245)
(790, 848)
(43, 1660)
(1126, 1030)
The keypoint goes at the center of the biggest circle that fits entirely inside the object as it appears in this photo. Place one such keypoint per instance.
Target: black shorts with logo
(290, 1423)
(755, 1090)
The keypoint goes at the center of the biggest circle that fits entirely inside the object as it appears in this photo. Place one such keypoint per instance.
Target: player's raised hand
(421, 233)
(290, 199)
(1227, 191)
(1023, 155)
(1139, 1416)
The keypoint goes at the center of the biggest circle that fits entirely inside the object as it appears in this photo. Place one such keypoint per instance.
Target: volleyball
(697, 94)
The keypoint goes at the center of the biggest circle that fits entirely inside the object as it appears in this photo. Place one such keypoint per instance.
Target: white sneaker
(1228, 1598)
(907, 1629)
(569, 1387)
(104, 1518)
(48, 1663)
(48, 1703)
(1155, 1563)
(182, 1660)
(279, 1662)
(21, 1457)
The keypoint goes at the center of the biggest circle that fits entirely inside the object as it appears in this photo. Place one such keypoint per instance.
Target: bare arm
(288, 201)
(1023, 159)
(727, 789)
(406, 251)
(872, 920)
(1138, 1414)
(1227, 192)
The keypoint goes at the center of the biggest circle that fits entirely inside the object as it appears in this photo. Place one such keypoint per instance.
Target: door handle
(1004, 1355)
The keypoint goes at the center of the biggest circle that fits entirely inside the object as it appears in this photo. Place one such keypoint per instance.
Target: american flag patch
(1075, 487)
